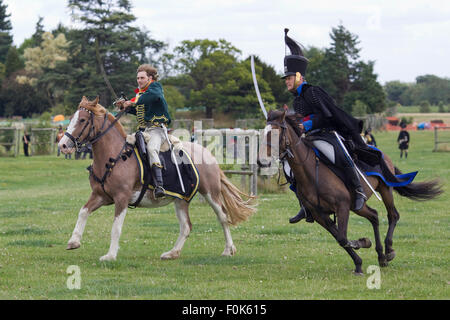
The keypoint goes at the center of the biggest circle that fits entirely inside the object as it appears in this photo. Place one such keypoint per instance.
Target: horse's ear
(96, 100)
(83, 99)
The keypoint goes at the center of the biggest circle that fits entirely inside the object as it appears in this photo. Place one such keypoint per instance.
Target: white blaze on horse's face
(269, 145)
(65, 144)
(267, 129)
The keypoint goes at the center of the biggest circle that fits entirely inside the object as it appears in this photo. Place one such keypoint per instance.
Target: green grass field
(40, 198)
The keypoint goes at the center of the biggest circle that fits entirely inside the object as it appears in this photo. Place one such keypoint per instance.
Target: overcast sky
(405, 38)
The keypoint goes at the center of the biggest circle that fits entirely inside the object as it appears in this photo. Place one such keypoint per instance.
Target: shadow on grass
(25, 231)
(219, 260)
(33, 243)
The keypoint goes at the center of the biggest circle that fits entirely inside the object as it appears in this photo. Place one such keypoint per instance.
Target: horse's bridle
(76, 141)
(287, 151)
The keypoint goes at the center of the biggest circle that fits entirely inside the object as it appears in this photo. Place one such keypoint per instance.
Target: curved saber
(357, 169)
(261, 104)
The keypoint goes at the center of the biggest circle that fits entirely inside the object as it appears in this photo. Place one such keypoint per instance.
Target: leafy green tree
(13, 62)
(42, 63)
(175, 100)
(359, 108)
(216, 80)
(425, 107)
(5, 29)
(21, 99)
(274, 81)
(394, 91)
(108, 47)
(339, 70)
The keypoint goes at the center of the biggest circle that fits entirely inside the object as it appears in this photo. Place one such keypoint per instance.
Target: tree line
(52, 70)
(427, 90)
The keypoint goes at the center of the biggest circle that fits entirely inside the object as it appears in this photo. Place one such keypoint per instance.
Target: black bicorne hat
(295, 62)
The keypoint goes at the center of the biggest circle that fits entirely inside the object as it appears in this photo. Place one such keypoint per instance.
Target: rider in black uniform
(320, 118)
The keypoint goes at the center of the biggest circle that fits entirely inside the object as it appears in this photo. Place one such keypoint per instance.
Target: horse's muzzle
(66, 146)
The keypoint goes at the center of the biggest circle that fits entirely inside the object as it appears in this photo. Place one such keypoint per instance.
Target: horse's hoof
(390, 256)
(365, 242)
(73, 245)
(383, 263)
(358, 273)
(108, 257)
(228, 252)
(171, 255)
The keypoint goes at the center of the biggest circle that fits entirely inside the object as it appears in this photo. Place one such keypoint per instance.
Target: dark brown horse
(92, 123)
(323, 193)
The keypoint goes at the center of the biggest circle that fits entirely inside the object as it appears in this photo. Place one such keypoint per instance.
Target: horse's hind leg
(393, 217)
(372, 215)
(182, 210)
(95, 201)
(215, 202)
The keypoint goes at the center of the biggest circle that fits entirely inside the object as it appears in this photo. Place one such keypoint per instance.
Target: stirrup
(160, 195)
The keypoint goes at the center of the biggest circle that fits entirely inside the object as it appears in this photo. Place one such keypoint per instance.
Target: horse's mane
(292, 119)
(100, 111)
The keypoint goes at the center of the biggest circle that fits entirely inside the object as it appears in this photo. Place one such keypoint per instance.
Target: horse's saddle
(370, 161)
(171, 181)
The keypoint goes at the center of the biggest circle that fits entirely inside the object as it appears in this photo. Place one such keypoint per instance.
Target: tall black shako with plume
(295, 62)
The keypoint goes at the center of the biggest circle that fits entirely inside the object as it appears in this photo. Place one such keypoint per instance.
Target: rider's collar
(299, 89)
(145, 88)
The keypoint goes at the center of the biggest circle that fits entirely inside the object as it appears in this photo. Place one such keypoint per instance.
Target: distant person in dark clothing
(68, 155)
(403, 141)
(370, 139)
(59, 136)
(87, 150)
(26, 141)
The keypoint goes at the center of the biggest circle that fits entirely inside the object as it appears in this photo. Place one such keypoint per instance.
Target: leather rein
(285, 141)
(78, 144)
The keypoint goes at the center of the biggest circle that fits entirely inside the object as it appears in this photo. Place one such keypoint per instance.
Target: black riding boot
(301, 215)
(158, 181)
(360, 196)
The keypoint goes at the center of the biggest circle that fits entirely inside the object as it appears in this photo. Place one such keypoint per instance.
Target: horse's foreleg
(182, 210)
(328, 224)
(215, 203)
(119, 217)
(95, 201)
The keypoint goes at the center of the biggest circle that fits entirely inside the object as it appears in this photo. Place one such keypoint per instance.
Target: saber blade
(261, 104)
(174, 159)
(357, 169)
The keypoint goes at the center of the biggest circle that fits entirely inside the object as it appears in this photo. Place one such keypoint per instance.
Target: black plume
(292, 44)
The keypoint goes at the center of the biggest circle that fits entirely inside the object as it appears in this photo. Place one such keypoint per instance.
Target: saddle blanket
(379, 171)
(171, 181)
(369, 169)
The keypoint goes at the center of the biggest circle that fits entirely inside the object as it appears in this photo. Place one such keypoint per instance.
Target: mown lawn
(40, 198)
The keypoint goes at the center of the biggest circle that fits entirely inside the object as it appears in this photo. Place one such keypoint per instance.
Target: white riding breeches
(157, 137)
(326, 148)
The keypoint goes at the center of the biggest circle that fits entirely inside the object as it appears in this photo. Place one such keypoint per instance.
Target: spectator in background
(26, 141)
(59, 136)
(68, 155)
(87, 149)
(370, 139)
(403, 140)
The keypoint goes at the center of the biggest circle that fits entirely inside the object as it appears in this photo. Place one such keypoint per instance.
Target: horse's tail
(420, 191)
(235, 207)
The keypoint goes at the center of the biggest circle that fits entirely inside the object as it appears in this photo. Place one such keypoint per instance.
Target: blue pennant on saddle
(403, 179)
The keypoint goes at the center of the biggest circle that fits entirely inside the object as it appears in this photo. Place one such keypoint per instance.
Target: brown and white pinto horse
(91, 122)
